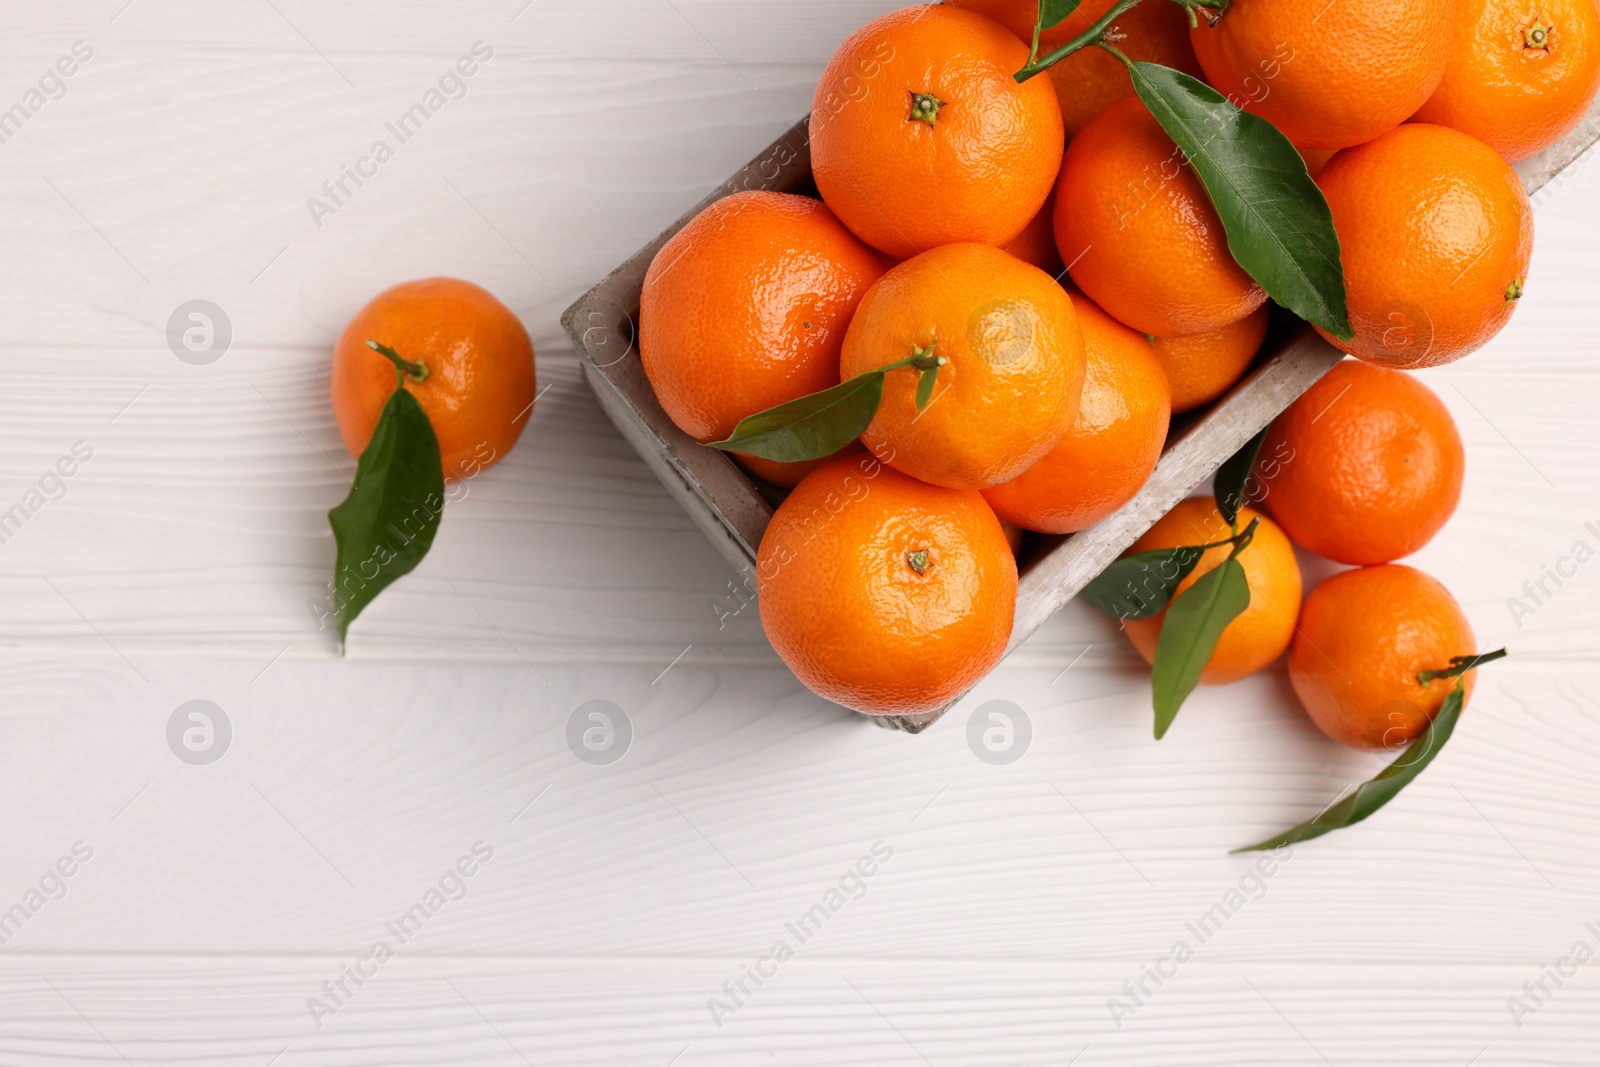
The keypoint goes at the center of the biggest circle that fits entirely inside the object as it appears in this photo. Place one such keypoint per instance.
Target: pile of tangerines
(1009, 284)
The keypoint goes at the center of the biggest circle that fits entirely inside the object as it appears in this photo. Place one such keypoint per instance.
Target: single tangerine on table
(746, 308)
(1113, 444)
(1327, 75)
(1363, 638)
(1260, 634)
(1367, 465)
(1138, 232)
(921, 137)
(1203, 366)
(1519, 76)
(478, 389)
(1013, 372)
(883, 593)
(1435, 234)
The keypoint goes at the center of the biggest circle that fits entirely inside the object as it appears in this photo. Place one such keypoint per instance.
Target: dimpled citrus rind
(846, 608)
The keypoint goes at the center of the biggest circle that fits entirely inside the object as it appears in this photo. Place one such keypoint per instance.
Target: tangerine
(1138, 232)
(1435, 234)
(1367, 465)
(479, 387)
(1091, 79)
(1013, 373)
(1327, 82)
(1363, 638)
(1113, 444)
(1519, 76)
(921, 137)
(883, 593)
(1257, 636)
(746, 308)
(1202, 366)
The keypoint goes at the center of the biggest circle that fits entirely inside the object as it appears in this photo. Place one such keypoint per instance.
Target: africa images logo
(452, 85)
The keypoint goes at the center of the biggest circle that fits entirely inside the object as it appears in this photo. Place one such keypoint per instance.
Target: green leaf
(1139, 586)
(1278, 223)
(1189, 635)
(816, 425)
(1231, 477)
(1052, 12)
(1371, 796)
(925, 382)
(386, 525)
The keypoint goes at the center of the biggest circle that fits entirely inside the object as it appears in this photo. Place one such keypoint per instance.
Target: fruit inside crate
(733, 509)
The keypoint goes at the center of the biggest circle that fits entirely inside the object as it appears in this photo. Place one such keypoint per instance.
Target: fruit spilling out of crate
(1035, 270)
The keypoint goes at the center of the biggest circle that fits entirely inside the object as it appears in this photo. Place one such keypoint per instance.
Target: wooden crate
(733, 511)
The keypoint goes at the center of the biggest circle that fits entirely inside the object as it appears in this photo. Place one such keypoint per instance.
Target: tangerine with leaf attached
(476, 382)
(1364, 637)
(1012, 374)
(746, 308)
(1257, 636)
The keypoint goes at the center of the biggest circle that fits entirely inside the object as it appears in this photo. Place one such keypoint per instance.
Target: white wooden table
(184, 561)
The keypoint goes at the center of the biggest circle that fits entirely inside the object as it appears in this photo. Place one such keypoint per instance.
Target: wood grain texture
(1018, 899)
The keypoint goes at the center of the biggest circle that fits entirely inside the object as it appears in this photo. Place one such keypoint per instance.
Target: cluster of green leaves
(1279, 228)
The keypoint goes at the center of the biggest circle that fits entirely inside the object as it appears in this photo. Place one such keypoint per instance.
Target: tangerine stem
(1460, 665)
(416, 371)
(1093, 35)
(1213, 9)
(1241, 541)
(920, 359)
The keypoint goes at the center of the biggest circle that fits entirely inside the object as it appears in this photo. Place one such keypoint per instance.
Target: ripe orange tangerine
(1327, 75)
(1013, 373)
(1364, 637)
(746, 308)
(1519, 76)
(479, 388)
(1435, 234)
(1259, 635)
(1113, 444)
(883, 593)
(1138, 232)
(1366, 467)
(921, 137)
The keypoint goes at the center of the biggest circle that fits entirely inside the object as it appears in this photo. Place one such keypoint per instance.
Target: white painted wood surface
(1017, 900)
